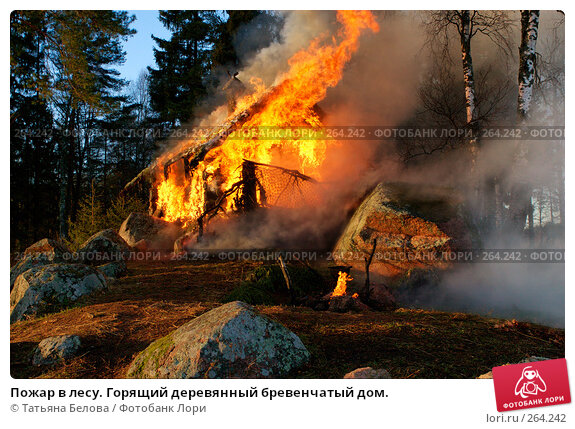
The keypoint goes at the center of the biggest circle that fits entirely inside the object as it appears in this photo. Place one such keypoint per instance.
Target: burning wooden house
(237, 167)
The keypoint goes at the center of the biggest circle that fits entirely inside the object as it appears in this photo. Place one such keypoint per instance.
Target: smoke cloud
(381, 87)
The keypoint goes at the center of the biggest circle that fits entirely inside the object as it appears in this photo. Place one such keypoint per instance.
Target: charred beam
(153, 201)
(248, 199)
(212, 211)
(365, 291)
(186, 168)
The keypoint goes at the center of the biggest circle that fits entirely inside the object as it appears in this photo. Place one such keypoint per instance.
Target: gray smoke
(381, 87)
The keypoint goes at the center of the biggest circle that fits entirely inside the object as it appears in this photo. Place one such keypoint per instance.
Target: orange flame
(291, 103)
(175, 198)
(341, 287)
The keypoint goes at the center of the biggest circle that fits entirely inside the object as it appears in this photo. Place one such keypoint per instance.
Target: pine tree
(177, 84)
(33, 162)
(121, 208)
(224, 52)
(63, 85)
(90, 219)
(84, 46)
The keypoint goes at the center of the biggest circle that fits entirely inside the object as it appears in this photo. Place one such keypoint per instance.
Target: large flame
(341, 286)
(291, 103)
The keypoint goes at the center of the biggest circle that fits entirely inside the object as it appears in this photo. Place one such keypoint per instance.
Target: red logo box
(532, 384)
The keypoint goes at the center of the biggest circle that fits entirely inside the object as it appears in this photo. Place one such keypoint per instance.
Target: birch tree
(464, 24)
(521, 206)
(527, 60)
(496, 26)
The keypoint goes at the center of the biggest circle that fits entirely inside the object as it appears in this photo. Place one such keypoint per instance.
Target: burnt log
(153, 201)
(248, 199)
(364, 294)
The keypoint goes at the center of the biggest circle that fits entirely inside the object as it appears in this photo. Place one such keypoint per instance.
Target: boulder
(367, 372)
(52, 287)
(231, 341)
(380, 298)
(411, 223)
(104, 246)
(114, 270)
(50, 249)
(43, 252)
(56, 349)
(157, 233)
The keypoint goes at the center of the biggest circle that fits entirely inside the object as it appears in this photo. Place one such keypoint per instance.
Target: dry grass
(156, 298)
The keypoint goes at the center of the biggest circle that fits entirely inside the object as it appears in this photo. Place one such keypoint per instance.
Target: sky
(139, 47)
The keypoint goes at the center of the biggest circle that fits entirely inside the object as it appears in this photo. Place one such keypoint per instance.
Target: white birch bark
(465, 30)
(527, 58)
(467, 61)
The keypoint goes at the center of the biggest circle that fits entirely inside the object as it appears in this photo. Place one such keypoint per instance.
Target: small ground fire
(341, 287)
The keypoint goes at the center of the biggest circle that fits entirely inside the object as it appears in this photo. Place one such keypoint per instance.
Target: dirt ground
(156, 298)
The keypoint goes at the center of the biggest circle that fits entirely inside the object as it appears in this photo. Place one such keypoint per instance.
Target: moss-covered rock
(231, 341)
(43, 252)
(157, 233)
(50, 288)
(102, 247)
(266, 285)
(251, 293)
(114, 270)
(56, 349)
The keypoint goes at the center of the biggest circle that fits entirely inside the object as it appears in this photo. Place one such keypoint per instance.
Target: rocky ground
(155, 298)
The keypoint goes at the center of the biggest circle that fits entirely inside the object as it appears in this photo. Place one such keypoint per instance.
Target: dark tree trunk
(66, 169)
(70, 190)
